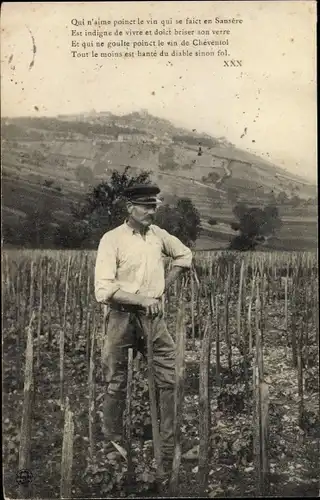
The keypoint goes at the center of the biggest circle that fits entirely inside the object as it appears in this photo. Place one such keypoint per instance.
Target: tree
(235, 226)
(48, 183)
(104, 207)
(13, 234)
(37, 229)
(282, 198)
(240, 209)
(75, 235)
(212, 222)
(255, 224)
(195, 141)
(232, 194)
(186, 166)
(312, 201)
(216, 203)
(295, 201)
(167, 159)
(84, 175)
(213, 177)
(37, 157)
(181, 220)
(100, 167)
(272, 197)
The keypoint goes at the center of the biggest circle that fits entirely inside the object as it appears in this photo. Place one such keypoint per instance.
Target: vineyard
(247, 396)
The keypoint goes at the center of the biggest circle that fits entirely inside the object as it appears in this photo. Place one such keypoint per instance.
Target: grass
(293, 447)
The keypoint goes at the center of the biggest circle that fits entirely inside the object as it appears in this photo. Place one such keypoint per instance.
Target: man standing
(130, 278)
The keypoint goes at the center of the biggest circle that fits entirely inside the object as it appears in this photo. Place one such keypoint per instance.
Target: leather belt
(125, 308)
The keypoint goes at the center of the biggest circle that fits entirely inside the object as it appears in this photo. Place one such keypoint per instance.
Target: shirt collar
(133, 231)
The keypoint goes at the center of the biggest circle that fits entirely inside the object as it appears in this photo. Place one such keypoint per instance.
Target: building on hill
(124, 137)
(67, 118)
(164, 140)
(104, 139)
(105, 113)
(139, 137)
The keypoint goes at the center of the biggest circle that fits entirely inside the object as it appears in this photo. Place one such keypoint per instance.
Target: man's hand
(152, 307)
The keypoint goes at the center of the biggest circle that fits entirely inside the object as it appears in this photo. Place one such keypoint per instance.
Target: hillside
(40, 157)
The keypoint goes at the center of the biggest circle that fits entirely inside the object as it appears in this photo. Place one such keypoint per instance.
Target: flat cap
(142, 194)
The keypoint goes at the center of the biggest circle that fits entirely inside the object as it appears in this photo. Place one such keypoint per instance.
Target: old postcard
(159, 235)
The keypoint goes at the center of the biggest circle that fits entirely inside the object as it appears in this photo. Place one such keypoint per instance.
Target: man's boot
(189, 450)
(166, 400)
(113, 409)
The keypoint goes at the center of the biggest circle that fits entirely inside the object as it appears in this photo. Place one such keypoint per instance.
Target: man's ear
(129, 207)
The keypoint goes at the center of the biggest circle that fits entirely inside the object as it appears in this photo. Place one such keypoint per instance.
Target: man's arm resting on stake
(180, 253)
(173, 275)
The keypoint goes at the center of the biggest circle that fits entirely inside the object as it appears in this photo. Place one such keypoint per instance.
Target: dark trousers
(124, 330)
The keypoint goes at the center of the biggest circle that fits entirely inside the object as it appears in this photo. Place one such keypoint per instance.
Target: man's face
(142, 214)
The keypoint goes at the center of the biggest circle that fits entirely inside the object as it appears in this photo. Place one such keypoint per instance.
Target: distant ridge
(39, 152)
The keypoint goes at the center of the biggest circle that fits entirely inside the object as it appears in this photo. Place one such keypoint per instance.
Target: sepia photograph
(160, 308)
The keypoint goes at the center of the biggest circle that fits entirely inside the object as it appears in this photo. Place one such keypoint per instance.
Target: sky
(270, 100)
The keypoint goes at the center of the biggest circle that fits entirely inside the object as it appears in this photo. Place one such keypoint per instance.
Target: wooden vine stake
(199, 309)
(106, 313)
(128, 421)
(286, 308)
(41, 265)
(92, 392)
(74, 309)
(240, 302)
(79, 294)
(50, 295)
(217, 328)
(214, 315)
(192, 309)
(148, 328)
(204, 409)
(226, 319)
(251, 298)
(67, 453)
(163, 305)
(294, 305)
(31, 302)
(88, 319)
(88, 332)
(57, 289)
(28, 399)
(301, 343)
(20, 329)
(179, 396)
(261, 409)
(62, 337)
(315, 310)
